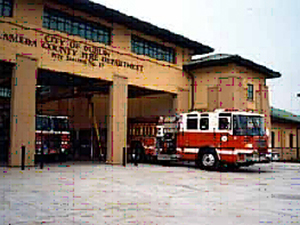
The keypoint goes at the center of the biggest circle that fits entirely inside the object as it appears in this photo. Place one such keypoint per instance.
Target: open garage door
(72, 97)
(5, 97)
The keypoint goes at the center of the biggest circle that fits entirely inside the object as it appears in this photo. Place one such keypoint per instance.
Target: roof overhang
(282, 116)
(225, 59)
(133, 23)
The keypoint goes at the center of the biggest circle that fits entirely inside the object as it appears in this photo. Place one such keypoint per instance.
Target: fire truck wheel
(207, 159)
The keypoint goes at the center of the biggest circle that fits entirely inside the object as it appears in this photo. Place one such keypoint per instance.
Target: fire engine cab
(225, 136)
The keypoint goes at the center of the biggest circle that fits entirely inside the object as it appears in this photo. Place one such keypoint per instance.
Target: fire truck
(52, 136)
(142, 137)
(223, 137)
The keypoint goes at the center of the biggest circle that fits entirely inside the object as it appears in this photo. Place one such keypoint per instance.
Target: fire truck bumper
(167, 157)
(255, 158)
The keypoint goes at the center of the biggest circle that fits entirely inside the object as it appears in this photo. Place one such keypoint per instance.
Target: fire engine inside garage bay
(79, 81)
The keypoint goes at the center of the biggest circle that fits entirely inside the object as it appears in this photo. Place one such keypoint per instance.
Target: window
(6, 7)
(143, 47)
(273, 139)
(192, 123)
(55, 20)
(291, 140)
(204, 123)
(250, 92)
(5, 92)
(224, 124)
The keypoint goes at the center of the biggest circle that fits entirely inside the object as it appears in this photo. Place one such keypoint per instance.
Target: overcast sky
(264, 31)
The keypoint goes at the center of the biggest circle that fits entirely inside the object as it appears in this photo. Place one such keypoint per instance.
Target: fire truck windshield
(51, 123)
(42, 123)
(248, 125)
(59, 124)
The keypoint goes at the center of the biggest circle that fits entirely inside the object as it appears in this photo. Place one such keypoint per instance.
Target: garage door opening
(5, 97)
(73, 130)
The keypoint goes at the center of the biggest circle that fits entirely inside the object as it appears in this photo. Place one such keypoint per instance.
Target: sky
(264, 31)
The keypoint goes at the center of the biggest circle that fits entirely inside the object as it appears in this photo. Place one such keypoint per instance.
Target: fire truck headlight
(224, 138)
(62, 150)
(267, 132)
(248, 146)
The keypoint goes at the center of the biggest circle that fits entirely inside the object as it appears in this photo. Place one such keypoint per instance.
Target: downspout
(193, 92)
(193, 88)
(297, 141)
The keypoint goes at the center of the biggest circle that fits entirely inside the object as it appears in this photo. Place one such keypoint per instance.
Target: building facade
(98, 55)
(230, 81)
(285, 134)
(81, 59)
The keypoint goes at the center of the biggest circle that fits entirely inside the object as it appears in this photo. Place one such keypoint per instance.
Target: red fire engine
(52, 135)
(142, 135)
(224, 136)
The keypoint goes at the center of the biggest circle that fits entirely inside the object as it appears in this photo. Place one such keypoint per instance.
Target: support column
(22, 125)
(117, 124)
(181, 101)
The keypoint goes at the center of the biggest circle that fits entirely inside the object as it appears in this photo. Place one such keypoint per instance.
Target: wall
(282, 141)
(230, 78)
(151, 73)
(226, 87)
(77, 109)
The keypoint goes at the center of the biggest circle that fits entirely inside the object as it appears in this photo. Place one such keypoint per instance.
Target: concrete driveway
(87, 193)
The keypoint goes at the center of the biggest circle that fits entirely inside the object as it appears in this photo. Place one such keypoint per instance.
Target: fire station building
(85, 61)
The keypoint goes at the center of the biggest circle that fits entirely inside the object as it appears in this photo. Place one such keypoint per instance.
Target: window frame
(291, 140)
(152, 49)
(6, 4)
(272, 139)
(85, 29)
(192, 117)
(250, 92)
(204, 118)
(228, 124)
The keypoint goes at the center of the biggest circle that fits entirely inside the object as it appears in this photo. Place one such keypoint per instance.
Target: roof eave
(115, 16)
(233, 59)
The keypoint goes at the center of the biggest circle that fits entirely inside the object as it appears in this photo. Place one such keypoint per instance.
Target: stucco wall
(27, 22)
(77, 109)
(226, 87)
(282, 133)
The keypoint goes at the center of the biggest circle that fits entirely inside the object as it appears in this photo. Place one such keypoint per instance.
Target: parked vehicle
(142, 139)
(52, 137)
(225, 136)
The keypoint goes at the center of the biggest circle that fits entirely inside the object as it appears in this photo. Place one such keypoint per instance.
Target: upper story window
(6, 7)
(154, 50)
(250, 92)
(56, 20)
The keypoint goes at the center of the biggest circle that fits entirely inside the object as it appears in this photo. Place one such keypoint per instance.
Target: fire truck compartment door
(167, 157)
(252, 158)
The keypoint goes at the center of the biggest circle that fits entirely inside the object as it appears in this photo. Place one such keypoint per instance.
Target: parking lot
(87, 193)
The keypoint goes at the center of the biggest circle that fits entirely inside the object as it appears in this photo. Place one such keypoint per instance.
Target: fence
(287, 153)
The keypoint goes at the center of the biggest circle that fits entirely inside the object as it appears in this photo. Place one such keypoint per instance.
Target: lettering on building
(16, 38)
(68, 50)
